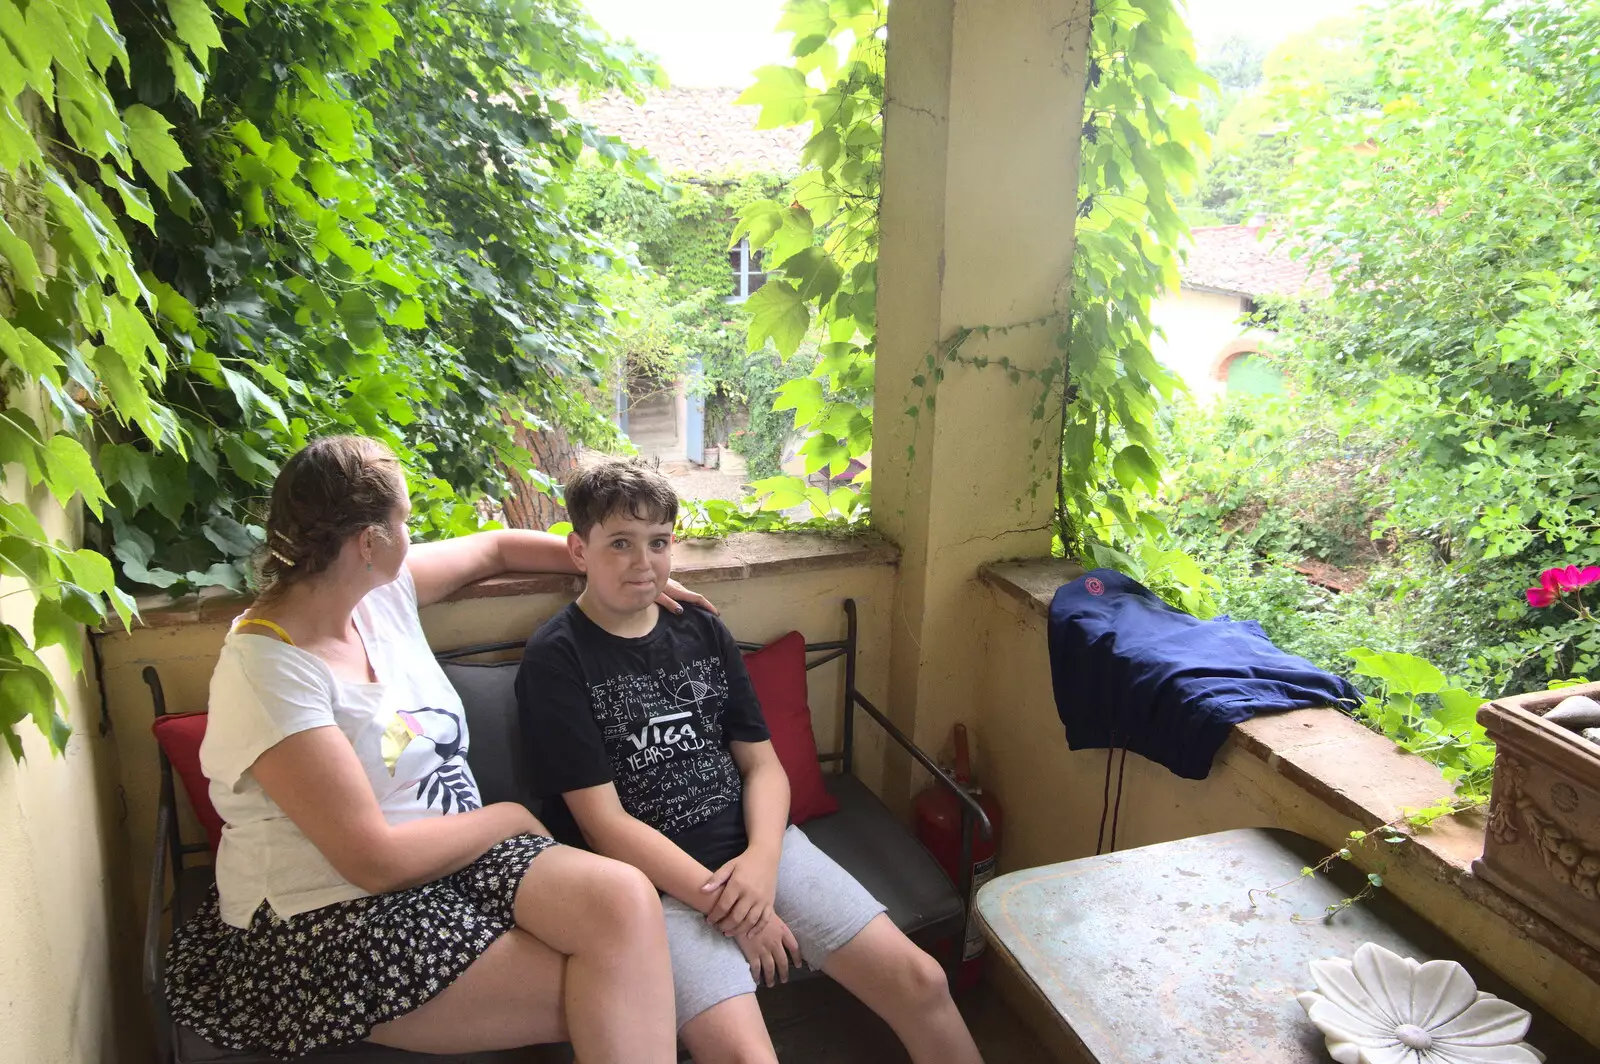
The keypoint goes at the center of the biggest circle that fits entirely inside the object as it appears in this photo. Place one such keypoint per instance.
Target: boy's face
(627, 561)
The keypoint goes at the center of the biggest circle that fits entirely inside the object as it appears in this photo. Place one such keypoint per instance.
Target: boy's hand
(748, 883)
(771, 951)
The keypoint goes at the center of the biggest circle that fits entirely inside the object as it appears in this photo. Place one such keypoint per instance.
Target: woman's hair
(333, 488)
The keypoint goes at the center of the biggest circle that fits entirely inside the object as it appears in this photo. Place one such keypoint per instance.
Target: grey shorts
(822, 904)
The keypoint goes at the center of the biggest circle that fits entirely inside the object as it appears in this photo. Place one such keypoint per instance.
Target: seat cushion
(488, 692)
(180, 735)
(872, 845)
(778, 673)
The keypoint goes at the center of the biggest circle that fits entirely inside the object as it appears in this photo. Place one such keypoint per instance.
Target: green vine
(268, 223)
(1142, 137)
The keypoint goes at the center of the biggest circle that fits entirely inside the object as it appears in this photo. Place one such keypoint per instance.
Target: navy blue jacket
(1131, 671)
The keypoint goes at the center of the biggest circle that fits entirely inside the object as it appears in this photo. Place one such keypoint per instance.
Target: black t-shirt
(653, 715)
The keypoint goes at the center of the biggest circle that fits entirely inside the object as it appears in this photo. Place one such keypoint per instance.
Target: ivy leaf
(28, 690)
(128, 468)
(778, 312)
(781, 94)
(188, 80)
(757, 222)
(818, 276)
(251, 398)
(803, 396)
(779, 493)
(152, 146)
(230, 537)
(360, 317)
(135, 201)
(69, 472)
(1403, 673)
(90, 570)
(26, 351)
(24, 266)
(53, 626)
(173, 492)
(222, 574)
(248, 462)
(196, 27)
(1133, 466)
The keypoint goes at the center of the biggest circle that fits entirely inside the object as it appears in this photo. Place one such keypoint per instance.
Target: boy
(645, 724)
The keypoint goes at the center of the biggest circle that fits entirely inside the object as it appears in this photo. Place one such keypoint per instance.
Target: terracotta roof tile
(698, 131)
(1242, 260)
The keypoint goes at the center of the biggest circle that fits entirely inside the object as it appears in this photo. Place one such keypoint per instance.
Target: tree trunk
(556, 457)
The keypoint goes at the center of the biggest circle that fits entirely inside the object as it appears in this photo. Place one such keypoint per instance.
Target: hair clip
(284, 558)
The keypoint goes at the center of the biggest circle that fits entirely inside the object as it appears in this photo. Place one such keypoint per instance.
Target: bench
(865, 838)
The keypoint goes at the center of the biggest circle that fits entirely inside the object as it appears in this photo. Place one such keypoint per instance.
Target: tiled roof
(1242, 260)
(698, 131)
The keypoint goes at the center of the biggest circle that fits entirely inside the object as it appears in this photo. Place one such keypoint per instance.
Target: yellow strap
(269, 625)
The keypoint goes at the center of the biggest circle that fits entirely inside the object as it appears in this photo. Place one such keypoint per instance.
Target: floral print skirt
(329, 976)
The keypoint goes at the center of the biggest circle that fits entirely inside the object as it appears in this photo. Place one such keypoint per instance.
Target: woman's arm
(315, 777)
(440, 569)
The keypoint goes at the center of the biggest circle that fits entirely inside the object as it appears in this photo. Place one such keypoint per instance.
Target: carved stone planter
(1543, 844)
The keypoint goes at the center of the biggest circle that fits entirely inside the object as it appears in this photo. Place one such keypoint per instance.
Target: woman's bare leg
(510, 996)
(587, 962)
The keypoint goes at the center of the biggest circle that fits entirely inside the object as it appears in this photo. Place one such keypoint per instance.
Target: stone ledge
(1355, 771)
(1032, 583)
(698, 562)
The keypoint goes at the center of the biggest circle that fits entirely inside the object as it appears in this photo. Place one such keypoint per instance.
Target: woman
(363, 892)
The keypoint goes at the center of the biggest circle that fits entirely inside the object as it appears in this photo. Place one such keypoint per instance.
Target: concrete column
(984, 112)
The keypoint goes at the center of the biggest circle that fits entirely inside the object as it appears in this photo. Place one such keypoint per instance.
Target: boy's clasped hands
(743, 911)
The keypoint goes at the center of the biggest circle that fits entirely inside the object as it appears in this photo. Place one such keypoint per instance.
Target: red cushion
(179, 735)
(778, 673)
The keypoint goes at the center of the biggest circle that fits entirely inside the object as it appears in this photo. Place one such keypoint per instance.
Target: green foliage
(1254, 148)
(1142, 132)
(821, 239)
(1428, 714)
(671, 295)
(1143, 136)
(1482, 171)
(358, 237)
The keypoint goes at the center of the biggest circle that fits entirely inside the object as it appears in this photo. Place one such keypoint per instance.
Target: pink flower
(1553, 583)
(1570, 578)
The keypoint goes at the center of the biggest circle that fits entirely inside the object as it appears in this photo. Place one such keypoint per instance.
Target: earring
(369, 567)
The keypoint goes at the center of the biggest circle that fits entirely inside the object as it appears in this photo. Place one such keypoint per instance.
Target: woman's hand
(676, 593)
(772, 951)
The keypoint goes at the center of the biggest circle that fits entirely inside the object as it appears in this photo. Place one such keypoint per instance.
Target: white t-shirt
(408, 729)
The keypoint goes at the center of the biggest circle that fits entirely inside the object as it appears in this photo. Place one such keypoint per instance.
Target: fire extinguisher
(938, 825)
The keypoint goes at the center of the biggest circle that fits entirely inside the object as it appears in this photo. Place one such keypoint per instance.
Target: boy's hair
(619, 485)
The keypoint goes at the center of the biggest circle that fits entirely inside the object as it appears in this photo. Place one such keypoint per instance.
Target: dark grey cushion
(871, 844)
(494, 729)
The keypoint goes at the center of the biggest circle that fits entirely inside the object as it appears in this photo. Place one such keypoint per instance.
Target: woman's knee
(622, 895)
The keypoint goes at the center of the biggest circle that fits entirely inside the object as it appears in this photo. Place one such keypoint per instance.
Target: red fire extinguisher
(938, 824)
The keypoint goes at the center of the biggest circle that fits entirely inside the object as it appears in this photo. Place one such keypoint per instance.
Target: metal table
(1156, 954)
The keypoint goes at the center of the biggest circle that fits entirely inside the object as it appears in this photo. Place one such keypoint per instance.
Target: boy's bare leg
(730, 1032)
(888, 973)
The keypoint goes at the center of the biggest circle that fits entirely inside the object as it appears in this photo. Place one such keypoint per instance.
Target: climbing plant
(265, 222)
(1142, 136)
(672, 295)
